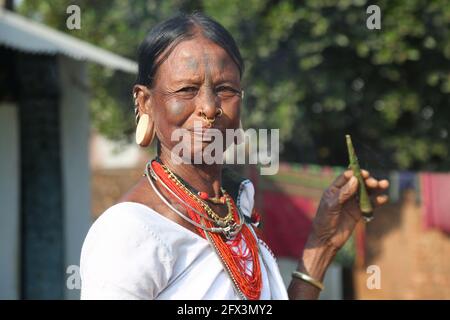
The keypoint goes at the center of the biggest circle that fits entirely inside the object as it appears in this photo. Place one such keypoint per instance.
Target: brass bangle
(308, 279)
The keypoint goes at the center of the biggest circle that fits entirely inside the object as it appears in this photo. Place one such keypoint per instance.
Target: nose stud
(210, 122)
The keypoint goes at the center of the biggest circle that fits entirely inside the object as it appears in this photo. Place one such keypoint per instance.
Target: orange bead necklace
(239, 255)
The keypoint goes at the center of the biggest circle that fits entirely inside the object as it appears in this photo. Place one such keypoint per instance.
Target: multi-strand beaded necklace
(233, 241)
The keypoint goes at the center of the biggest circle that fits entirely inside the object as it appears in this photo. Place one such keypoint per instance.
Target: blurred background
(314, 69)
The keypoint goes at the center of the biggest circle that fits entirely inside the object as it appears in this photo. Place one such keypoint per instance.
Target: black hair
(167, 34)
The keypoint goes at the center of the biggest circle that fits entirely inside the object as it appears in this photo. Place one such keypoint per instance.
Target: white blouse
(132, 252)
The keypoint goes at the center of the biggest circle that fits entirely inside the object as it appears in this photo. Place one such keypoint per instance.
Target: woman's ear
(145, 129)
(141, 96)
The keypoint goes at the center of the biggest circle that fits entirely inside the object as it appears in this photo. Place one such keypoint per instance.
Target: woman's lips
(204, 134)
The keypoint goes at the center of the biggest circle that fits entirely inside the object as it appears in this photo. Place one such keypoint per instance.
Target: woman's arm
(314, 263)
(336, 218)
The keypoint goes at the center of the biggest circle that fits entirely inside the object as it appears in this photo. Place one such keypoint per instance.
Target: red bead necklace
(240, 255)
(216, 200)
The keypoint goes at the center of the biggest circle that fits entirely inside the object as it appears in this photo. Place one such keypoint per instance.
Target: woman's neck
(202, 177)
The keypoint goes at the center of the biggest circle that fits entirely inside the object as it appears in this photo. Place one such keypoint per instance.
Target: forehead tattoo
(192, 64)
(212, 62)
(207, 66)
(206, 63)
(222, 64)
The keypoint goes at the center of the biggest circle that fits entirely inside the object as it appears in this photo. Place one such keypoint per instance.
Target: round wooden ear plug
(145, 130)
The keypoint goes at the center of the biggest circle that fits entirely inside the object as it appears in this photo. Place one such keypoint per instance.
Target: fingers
(380, 200)
(383, 184)
(349, 173)
(377, 184)
(365, 174)
(371, 182)
(347, 185)
(348, 190)
(374, 186)
(342, 179)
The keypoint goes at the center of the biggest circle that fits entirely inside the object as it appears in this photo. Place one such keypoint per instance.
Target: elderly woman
(187, 231)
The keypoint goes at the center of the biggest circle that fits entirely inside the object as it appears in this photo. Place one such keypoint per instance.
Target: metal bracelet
(308, 279)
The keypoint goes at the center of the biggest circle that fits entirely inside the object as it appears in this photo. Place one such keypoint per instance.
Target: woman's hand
(333, 224)
(339, 211)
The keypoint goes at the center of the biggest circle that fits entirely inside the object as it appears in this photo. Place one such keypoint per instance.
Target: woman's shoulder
(125, 218)
(134, 222)
(124, 253)
(125, 226)
(133, 226)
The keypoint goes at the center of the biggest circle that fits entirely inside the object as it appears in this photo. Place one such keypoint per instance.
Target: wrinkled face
(198, 77)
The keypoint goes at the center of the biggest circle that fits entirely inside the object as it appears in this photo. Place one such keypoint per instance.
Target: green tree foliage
(314, 70)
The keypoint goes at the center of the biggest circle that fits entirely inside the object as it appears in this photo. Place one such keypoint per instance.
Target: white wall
(75, 160)
(107, 154)
(9, 202)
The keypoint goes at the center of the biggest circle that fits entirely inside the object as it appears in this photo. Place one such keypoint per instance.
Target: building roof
(22, 34)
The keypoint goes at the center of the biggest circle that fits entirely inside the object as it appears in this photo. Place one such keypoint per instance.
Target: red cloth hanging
(435, 189)
(287, 222)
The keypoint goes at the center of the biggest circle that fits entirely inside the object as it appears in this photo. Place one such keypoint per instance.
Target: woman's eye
(226, 90)
(188, 89)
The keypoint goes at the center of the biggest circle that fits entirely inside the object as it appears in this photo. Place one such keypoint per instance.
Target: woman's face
(198, 77)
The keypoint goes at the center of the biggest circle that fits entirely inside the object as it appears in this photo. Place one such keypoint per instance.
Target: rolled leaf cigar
(364, 201)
